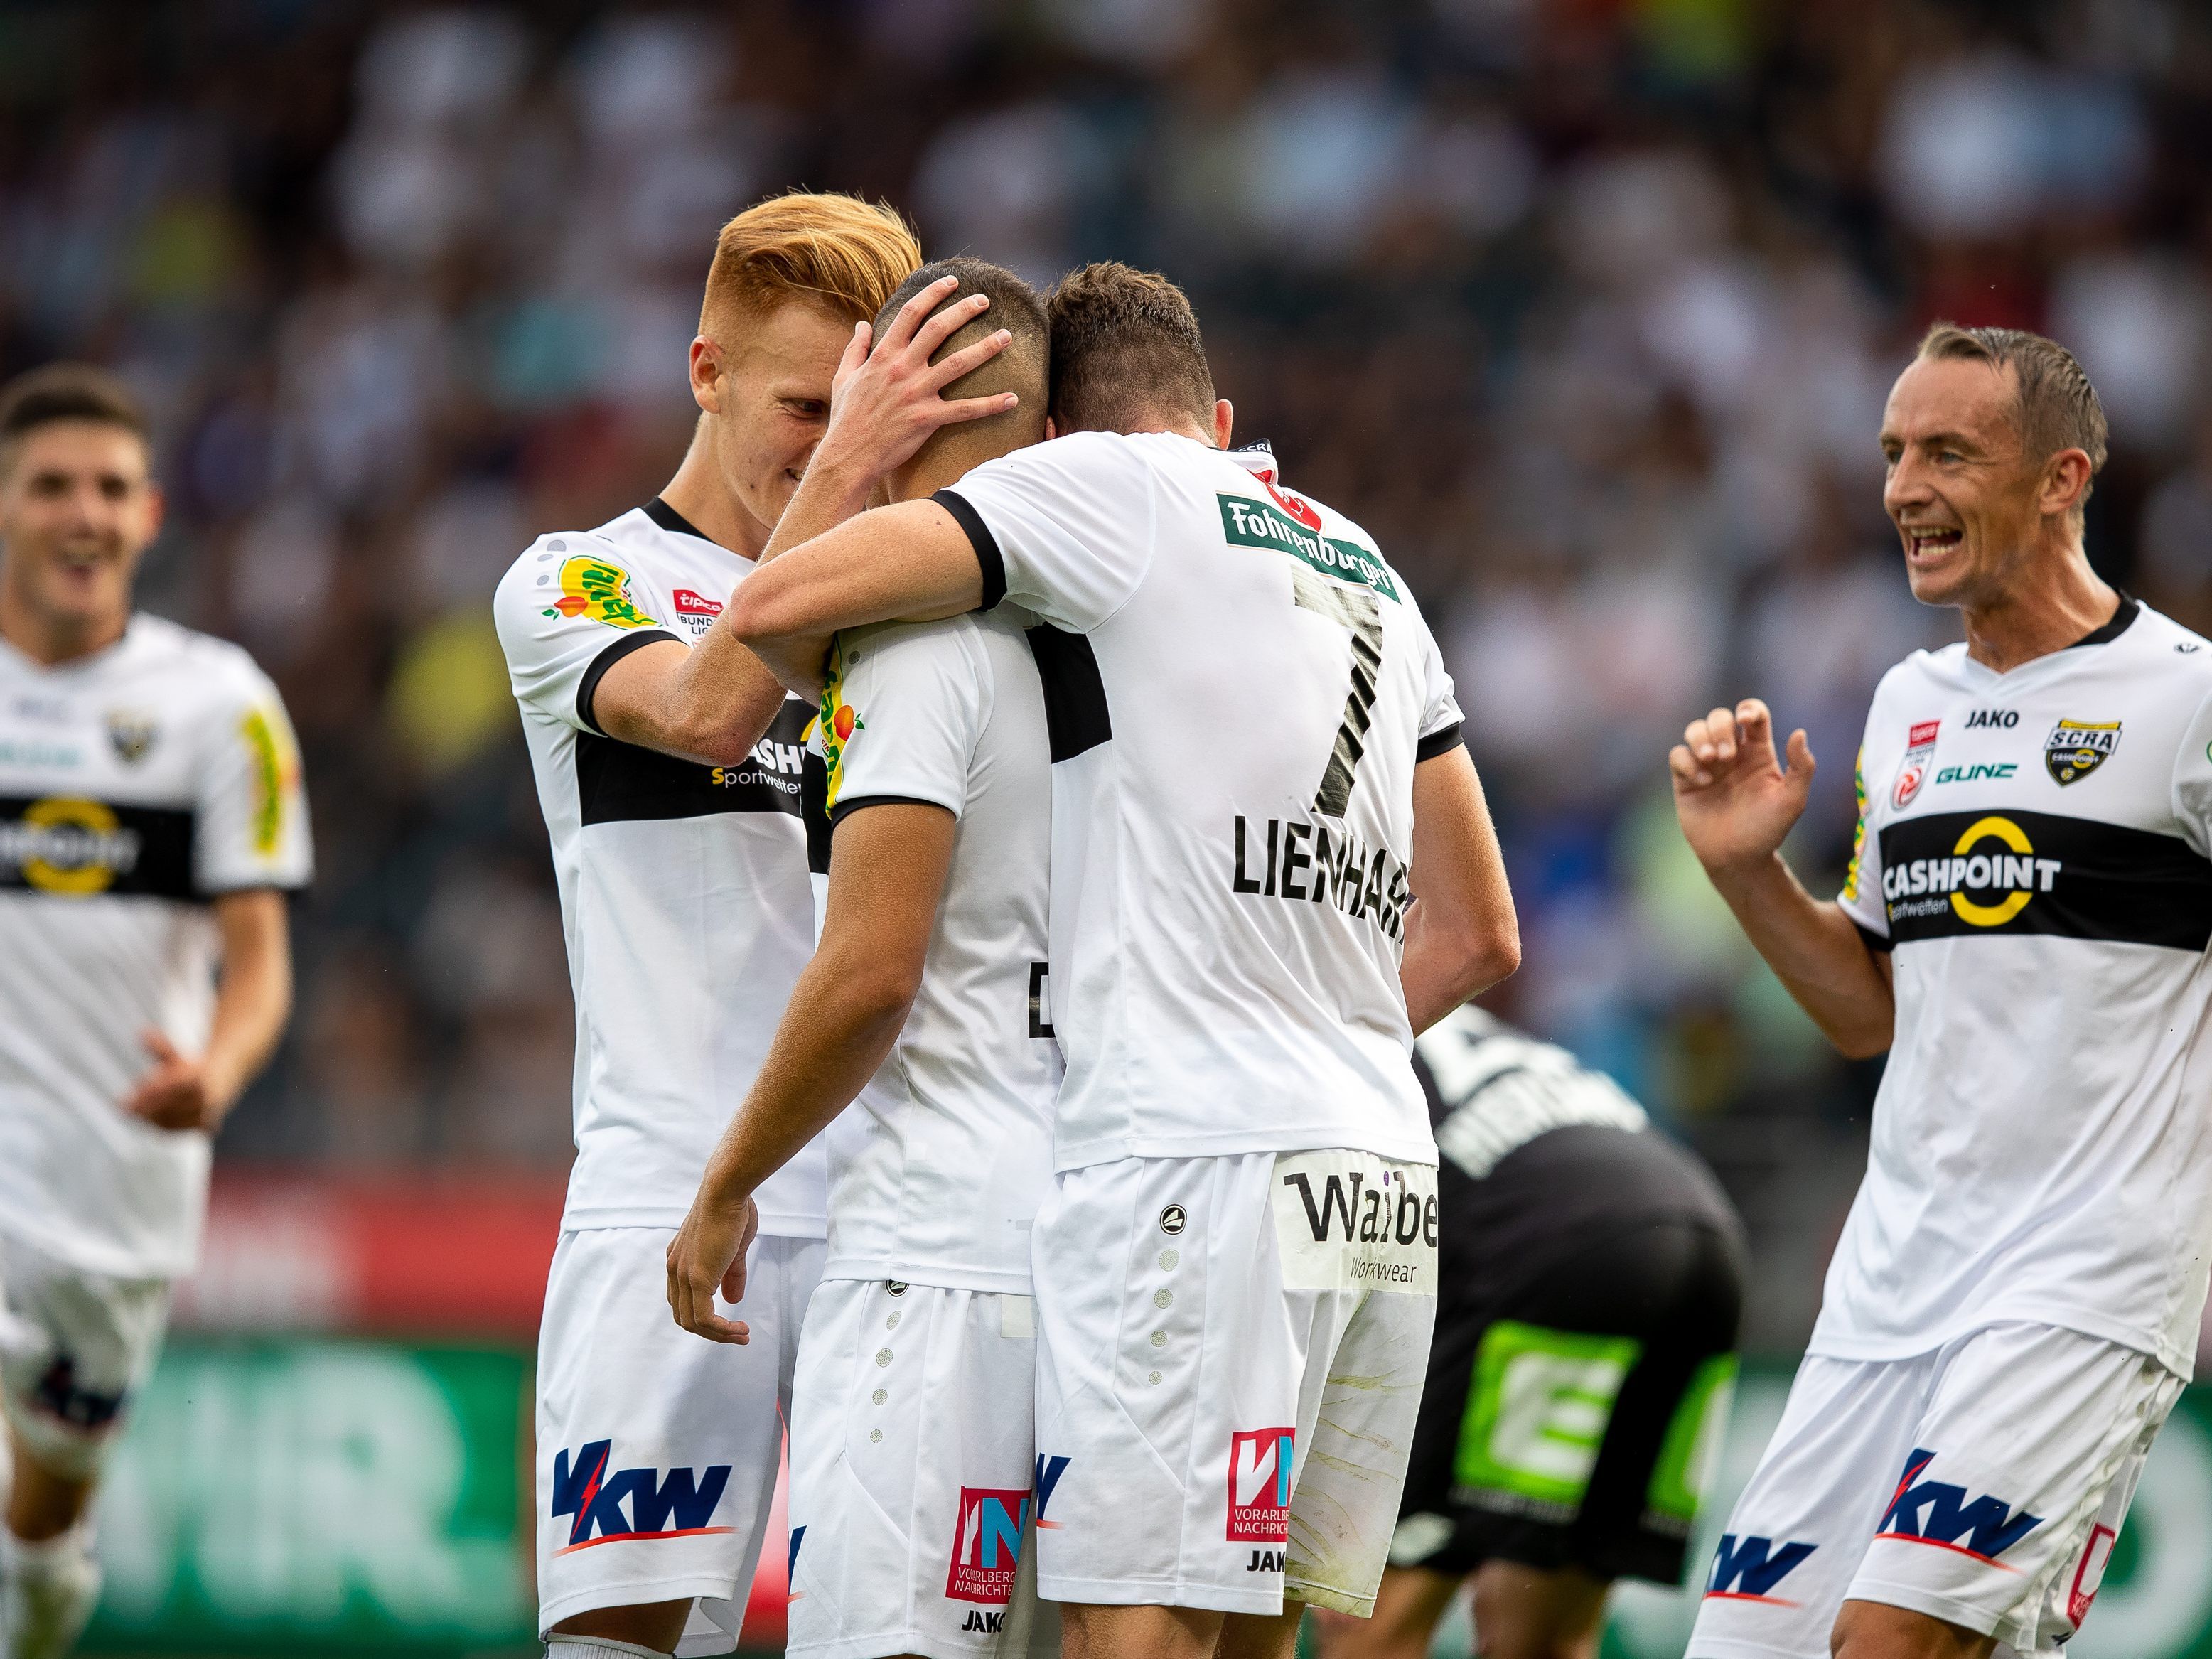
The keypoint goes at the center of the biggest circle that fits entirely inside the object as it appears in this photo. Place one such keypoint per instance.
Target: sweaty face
(774, 401)
(1961, 489)
(77, 511)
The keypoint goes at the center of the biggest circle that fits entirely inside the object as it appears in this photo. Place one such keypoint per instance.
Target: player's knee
(1874, 1630)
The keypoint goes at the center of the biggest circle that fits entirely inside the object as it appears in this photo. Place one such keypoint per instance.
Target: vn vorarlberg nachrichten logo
(986, 1548)
(680, 1504)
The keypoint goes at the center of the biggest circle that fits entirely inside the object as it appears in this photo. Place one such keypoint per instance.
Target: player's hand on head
(707, 1255)
(884, 401)
(175, 1093)
(1734, 797)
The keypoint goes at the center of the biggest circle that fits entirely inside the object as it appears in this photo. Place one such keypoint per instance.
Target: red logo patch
(1259, 1464)
(2089, 1575)
(698, 604)
(987, 1544)
(1296, 505)
(1923, 736)
(1920, 744)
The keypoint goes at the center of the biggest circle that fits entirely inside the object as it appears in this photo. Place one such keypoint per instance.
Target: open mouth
(1926, 541)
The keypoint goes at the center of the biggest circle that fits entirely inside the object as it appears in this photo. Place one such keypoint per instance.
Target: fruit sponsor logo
(597, 590)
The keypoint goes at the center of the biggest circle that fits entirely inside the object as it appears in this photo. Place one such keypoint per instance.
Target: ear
(706, 373)
(1050, 430)
(2065, 482)
(1223, 418)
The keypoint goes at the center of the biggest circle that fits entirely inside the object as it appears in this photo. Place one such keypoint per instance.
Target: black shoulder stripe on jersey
(1442, 741)
(985, 544)
(814, 807)
(588, 687)
(1951, 875)
(845, 809)
(619, 782)
(1075, 711)
(69, 846)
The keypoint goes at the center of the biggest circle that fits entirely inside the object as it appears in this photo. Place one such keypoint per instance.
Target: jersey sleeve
(900, 715)
(566, 614)
(2192, 781)
(1861, 897)
(1441, 721)
(1063, 528)
(252, 815)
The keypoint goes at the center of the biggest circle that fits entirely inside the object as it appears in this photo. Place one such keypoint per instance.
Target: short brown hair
(67, 392)
(1125, 345)
(1015, 306)
(2054, 408)
(844, 252)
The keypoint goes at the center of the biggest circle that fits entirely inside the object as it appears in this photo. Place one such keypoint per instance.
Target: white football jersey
(135, 784)
(938, 1174)
(1237, 703)
(2035, 850)
(683, 888)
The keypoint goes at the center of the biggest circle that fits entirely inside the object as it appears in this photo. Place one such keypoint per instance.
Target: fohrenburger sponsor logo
(1992, 876)
(1321, 864)
(68, 845)
(1247, 523)
(2076, 748)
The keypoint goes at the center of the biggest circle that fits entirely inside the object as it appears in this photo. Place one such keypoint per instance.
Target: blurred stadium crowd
(1586, 308)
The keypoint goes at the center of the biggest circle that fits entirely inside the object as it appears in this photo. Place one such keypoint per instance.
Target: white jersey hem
(1833, 1344)
(1321, 1138)
(773, 1223)
(871, 1268)
(1141, 1592)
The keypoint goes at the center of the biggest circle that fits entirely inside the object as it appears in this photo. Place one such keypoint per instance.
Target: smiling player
(2014, 1305)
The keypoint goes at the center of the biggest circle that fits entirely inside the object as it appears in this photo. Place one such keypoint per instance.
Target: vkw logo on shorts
(1048, 1471)
(1749, 1569)
(1937, 1512)
(582, 1487)
(1259, 1464)
(987, 1546)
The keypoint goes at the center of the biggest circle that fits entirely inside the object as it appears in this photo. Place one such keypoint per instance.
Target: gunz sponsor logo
(582, 1487)
(1319, 864)
(1259, 1464)
(987, 1546)
(1976, 772)
(1920, 745)
(1749, 1569)
(2076, 748)
(1936, 1512)
(69, 846)
(1048, 1471)
(1247, 523)
(2005, 878)
(2002, 719)
(597, 590)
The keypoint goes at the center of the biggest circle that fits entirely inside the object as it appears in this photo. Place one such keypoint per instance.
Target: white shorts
(1982, 1484)
(911, 1462)
(74, 1347)
(1230, 1361)
(657, 1450)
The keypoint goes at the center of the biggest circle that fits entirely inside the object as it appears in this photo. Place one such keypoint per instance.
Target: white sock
(598, 1647)
(47, 1556)
(47, 1592)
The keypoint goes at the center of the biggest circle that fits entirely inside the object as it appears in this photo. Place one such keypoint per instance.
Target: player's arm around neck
(253, 1002)
(1736, 803)
(887, 870)
(1461, 936)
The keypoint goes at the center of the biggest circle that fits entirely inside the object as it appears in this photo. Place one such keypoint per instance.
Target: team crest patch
(599, 590)
(131, 733)
(1919, 749)
(2076, 748)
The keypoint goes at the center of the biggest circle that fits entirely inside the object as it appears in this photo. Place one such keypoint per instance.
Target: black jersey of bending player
(1540, 1159)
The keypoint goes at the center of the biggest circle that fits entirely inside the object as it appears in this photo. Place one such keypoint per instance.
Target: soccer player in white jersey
(911, 1450)
(669, 767)
(1271, 863)
(2013, 1304)
(150, 824)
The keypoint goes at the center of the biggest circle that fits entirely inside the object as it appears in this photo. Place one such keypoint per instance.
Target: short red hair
(839, 250)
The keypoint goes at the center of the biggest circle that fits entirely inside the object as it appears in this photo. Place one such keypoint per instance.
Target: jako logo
(1755, 1565)
(583, 1488)
(1260, 1462)
(1935, 1512)
(1048, 1471)
(987, 1544)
